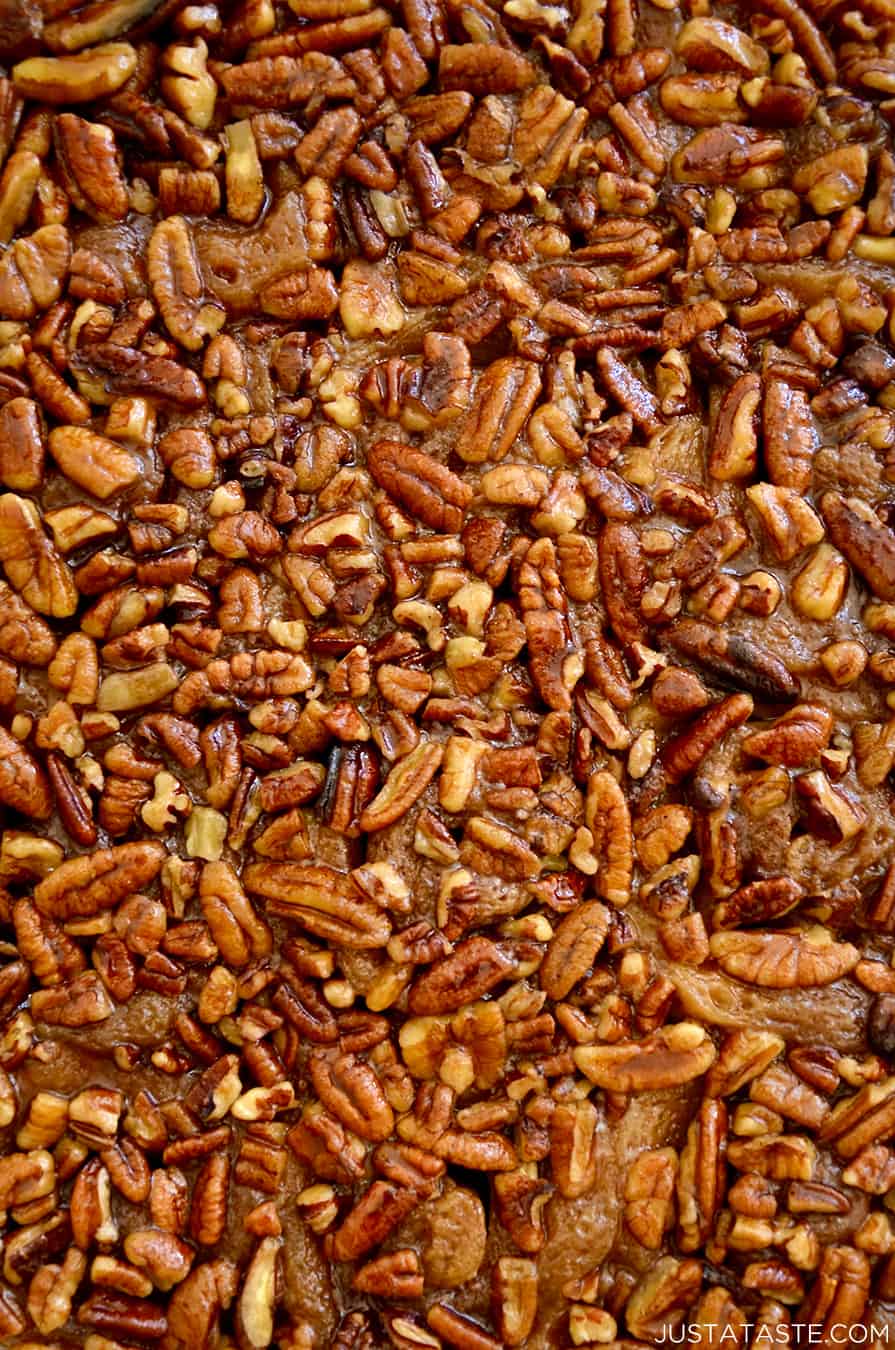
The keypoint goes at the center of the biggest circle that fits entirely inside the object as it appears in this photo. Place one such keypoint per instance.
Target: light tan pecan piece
(506, 394)
(673, 1055)
(80, 77)
(700, 1182)
(177, 285)
(573, 948)
(96, 464)
(472, 969)
(796, 739)
(788, 520)
(791, 439)
(577, 1144)
(867, 543)
(832, 181)
(661, 1297)
(256, 1305)
(322, 900)
(734, 444)
(81, 887)
(427, 488)
(33, 271)
(649, 1195)
(248, 676)
(91, 168)
(25, 1177)
(31, 561)
(711, 44)
(514, 1298)
(405, 784)
(800, 959)
(23, 783)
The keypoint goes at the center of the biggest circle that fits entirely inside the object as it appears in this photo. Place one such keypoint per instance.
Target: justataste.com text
(794, 1333)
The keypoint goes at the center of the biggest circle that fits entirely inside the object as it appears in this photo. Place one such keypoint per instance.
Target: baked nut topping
(447, 697)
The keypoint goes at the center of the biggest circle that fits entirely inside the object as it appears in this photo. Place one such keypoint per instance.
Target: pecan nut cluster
(447, 709)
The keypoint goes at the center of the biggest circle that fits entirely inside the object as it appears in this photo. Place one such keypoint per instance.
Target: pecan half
(734, 658)
(322, 900)
(667, 1058)
(866, 542)
(81, 887)
(427, 488)
(31, 562)
(784, 960)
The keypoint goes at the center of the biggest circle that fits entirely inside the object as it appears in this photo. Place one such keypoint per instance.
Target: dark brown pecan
(573, 948)
(427, 488)
(683, 754)
(734, 658)
(868, 544)
(87, 155)
(473, 968)
(129, 371)
(759, 902)
(379, 1210)
(790, 436)
(623, 579)
(322, 900)
(503, 72)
